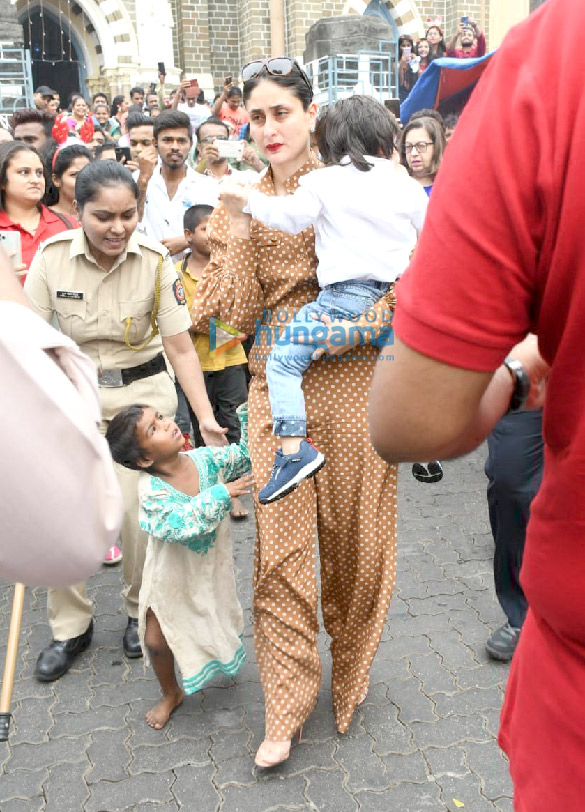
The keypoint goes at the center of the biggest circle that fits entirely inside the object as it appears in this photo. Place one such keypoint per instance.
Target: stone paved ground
(423, 741)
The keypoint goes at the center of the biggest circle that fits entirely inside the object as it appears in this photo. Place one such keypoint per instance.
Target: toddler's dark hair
(195, 214)
(357, 126)
(122, 438)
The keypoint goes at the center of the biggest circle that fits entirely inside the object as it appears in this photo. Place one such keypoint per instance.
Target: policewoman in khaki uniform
(117, 294)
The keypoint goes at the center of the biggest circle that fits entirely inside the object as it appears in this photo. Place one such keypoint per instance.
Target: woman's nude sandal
(270, 754)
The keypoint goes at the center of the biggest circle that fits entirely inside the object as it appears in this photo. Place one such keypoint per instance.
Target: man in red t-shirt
(518, 237)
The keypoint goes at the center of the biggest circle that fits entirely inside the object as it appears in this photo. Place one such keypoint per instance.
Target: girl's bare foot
(238, 510)
(158, 716)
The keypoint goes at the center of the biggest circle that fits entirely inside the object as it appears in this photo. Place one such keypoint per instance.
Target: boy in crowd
(225, 376)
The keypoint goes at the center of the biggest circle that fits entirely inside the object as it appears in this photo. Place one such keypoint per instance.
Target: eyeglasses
(420, 147)
(275, 66)
(209, 139)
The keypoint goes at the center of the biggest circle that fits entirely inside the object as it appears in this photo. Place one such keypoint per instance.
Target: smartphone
(193, 90)
(152, 87)
(230, 149)
(161, 69)
(465, 20)
(227, 80)
(10, 241)
(123, 152)
(407, 51)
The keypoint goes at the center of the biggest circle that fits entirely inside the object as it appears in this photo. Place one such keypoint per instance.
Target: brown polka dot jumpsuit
(350, 506)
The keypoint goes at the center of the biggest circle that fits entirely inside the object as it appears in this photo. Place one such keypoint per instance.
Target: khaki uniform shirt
(92, 304)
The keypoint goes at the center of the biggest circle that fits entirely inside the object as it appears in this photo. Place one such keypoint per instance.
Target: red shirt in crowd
(237, 118)
(498, 258)
(476, 50)
(49, 224)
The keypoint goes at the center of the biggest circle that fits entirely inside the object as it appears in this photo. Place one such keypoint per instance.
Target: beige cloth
(194, 598)
(350, 504)
(60, 503)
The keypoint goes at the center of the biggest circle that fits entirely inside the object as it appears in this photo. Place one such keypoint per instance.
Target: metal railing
(16, 86)
(370, 73)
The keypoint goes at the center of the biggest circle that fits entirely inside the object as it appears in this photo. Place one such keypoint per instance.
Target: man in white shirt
(170, 187)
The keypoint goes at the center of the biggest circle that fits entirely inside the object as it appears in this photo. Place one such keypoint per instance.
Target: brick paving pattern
(424, 740)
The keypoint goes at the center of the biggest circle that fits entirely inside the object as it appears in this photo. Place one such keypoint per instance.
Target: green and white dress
(188, 579)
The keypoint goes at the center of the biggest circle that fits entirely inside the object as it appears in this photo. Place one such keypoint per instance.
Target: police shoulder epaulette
(63, 236)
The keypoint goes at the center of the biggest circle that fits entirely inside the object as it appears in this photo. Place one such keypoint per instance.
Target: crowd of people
(415, 57)
(136, 261)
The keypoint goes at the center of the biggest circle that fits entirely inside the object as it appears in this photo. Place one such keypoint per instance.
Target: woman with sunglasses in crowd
(256, 280)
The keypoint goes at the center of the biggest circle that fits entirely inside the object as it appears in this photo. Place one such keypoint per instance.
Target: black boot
(58, 657)
(131, 641)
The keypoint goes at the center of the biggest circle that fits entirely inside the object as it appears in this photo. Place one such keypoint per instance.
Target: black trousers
(514, 469)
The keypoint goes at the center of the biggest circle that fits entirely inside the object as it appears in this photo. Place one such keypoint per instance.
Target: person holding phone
(22, 188)
(406, 76)
(228, 106)
(472, 41)
(211, 136)
(187, 100)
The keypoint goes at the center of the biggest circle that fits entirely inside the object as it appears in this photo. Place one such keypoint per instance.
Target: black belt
(122, 377)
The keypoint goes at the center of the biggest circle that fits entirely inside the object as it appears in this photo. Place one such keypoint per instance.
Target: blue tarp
(445, 85)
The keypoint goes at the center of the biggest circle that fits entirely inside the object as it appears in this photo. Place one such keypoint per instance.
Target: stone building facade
(112, 45)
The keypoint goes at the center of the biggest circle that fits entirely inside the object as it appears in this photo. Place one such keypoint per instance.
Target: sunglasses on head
(275, 66)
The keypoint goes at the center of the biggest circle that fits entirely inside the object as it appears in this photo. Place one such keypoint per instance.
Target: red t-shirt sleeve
(467, 297)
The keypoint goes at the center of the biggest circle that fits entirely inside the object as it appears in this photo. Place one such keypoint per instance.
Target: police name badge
(70, 294)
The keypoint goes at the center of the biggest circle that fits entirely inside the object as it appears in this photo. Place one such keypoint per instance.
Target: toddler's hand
(240, 486)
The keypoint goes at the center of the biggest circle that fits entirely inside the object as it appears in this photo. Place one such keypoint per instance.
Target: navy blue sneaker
(289, 470)
(431, 472)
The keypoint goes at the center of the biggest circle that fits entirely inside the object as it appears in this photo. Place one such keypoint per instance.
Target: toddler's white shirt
(366, 223)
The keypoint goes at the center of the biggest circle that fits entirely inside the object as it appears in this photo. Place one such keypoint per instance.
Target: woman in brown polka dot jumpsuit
(255, 281)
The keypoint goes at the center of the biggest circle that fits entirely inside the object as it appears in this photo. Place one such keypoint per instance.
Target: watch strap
(521, 384)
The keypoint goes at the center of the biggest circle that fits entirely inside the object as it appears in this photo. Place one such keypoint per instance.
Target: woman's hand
(240, 486)
(20, 269)
(212, 432)
(233, 195)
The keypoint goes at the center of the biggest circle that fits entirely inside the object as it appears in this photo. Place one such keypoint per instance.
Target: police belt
(122, 377)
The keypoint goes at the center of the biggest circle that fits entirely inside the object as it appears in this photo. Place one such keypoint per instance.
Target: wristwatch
(521, 385)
